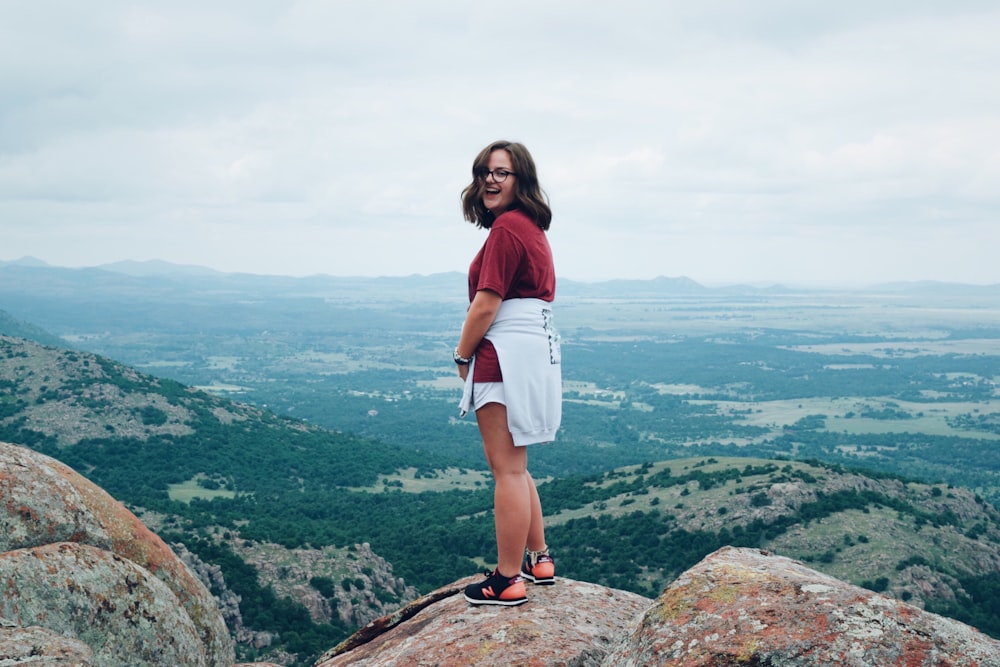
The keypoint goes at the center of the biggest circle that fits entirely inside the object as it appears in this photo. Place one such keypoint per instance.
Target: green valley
(256, 418)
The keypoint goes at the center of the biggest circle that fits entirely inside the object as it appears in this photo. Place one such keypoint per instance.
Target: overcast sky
(786, 141)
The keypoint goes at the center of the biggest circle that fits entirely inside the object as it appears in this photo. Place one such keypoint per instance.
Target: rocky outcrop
(571, 623)
(120, 610)
(43, 648)
(735, 607)
(367, 589)
(77, 563)
(745, 606)
(228, 601)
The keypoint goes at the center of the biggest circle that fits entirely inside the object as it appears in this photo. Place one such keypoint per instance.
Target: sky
(774, 141)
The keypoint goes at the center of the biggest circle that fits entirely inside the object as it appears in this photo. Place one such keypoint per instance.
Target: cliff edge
(735, 607)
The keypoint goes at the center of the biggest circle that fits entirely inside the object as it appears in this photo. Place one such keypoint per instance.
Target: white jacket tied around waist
(527, 346)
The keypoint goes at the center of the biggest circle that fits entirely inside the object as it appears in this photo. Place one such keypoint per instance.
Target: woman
(509, 357)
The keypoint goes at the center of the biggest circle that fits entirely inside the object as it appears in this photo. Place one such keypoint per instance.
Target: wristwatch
(460, 360)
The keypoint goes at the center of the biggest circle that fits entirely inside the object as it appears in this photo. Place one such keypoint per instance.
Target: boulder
(45, 506)
(735, 607)
(571, 623)
(751, 607)
(39, 647)
(121, 611)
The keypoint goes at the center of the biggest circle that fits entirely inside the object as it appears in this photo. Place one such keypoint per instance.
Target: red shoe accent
(498, 590)
(516, 590)
(542, 573)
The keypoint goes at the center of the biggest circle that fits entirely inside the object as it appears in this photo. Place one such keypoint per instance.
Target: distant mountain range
(160, 275)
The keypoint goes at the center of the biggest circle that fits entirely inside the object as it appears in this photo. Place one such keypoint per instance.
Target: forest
(341, 392)
(335, 488)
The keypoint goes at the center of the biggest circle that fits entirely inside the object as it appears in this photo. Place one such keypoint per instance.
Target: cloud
(721, 140)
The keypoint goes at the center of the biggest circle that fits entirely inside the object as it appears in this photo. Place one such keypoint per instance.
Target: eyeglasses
(499, 175)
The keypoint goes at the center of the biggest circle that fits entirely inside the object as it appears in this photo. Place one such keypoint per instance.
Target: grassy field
(187, 491)
(843, 415)
(442, 480)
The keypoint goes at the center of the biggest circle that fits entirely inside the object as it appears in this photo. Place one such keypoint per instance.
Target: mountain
(258, 496)
(25, 261)
(660, 285)
(29, 276)
(87, 583)
(931, 287)
(155, 280)
(11, 326)
(175, 455)
(158, 268)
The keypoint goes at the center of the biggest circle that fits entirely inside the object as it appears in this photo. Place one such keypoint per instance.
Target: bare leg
(536, 531)
(515, 499)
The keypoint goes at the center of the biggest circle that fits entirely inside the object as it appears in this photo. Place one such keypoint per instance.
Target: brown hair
(528, 195)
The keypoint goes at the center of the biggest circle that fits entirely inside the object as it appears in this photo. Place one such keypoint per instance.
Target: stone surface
(122, 612)
(43, 502)
(750, 607)
(736, 607)
(38, 647)
(571, 623)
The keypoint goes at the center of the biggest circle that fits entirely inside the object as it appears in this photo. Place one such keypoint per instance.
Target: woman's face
(498, 196)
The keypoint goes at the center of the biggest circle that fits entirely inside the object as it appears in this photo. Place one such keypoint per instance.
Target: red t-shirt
(516, 263)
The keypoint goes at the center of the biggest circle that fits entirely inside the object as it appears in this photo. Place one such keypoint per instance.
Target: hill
(11, 326)
(259, 496)
(79, 570)
(168, 450)
(897, 378)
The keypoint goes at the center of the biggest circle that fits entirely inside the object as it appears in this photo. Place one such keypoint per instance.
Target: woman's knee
(506, 462)
(509, 473)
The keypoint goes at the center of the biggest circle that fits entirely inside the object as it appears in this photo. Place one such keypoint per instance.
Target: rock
(121, 611)
(211, 576)
(571, 623)
(289, 572)
(43, 502)
(750, 607)
(39, 647)
(735, 607)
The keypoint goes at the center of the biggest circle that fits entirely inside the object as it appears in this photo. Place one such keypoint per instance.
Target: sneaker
(539, 568)
(497, 589)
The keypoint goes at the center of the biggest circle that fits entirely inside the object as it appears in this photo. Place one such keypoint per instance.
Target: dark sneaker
(497, 589)
(539, 568)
